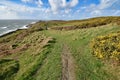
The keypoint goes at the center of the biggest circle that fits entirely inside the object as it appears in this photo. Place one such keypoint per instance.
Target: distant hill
(77, 24)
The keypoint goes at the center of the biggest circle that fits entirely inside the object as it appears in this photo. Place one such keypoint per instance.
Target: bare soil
(68, 65)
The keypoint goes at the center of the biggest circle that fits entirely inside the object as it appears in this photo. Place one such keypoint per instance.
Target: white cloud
(54, 5)
(6, 13)
(73, 3)
(37, 2)
(27, 1)
(62, 9)
(105, 7)
(57, 5)
(67, 11)
(47, 10)
(96, 12)
(13, 10)
(106, 3)
(16, 7)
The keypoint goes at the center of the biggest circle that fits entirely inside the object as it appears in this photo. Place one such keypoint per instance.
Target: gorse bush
(107, 47)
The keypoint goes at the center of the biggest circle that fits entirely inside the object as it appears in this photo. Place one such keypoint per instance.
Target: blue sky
(58, 9)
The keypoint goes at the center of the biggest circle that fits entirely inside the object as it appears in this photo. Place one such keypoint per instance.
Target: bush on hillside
(107, 47)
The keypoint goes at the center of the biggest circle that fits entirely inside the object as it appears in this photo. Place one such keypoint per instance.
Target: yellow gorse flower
(107, 46)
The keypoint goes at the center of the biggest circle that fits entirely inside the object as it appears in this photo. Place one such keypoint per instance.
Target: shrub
(107, 47)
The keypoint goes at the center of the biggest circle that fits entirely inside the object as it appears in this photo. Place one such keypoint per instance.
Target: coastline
(15, 30)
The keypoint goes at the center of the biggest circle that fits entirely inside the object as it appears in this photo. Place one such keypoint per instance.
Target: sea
(7, 26)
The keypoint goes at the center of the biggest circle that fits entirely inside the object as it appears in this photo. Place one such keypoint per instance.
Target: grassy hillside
(75, 24)
(40, 54)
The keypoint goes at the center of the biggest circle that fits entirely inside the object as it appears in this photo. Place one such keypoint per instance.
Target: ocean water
(7, 26)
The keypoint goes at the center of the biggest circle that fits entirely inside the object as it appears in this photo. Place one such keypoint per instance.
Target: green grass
(42, 61)
(88, 66)
(8, 67)
(51, 69)
(32, 59)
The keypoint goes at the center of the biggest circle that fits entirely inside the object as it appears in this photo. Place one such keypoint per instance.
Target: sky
(58, 9)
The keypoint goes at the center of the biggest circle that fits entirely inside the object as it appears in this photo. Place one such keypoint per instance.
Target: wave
(27, 26)
(3, 27)
(32, 22)
(24, 27)
(8, 31)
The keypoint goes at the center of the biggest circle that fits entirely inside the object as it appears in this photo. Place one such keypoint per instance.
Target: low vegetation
(107, 47)
(8, 67)
(88, 23)
(36, 53)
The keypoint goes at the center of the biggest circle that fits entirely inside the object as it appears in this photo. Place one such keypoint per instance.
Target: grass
(51, 69)
(38, 53)
(8, 68)
(88, 66)
(31, 59)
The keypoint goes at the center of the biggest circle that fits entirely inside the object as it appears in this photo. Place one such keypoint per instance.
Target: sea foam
(3, 27)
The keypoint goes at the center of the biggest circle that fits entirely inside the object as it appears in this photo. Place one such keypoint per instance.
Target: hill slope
(39, 54)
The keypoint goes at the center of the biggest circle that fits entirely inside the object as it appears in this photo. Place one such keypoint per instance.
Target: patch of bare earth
(7, 49)
(68, 65)
(43, 43)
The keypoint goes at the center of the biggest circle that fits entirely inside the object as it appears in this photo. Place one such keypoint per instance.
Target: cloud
(96, 12)
(73, 3)
(67, 11)
(57, 9)
(106, 3)
(39, 3)
(47, 10)
(105, 7)
(13, 10)
(27, 1)
(6, 13)
(57, 5)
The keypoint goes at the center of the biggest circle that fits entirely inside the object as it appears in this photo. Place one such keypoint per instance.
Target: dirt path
(68, 66)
